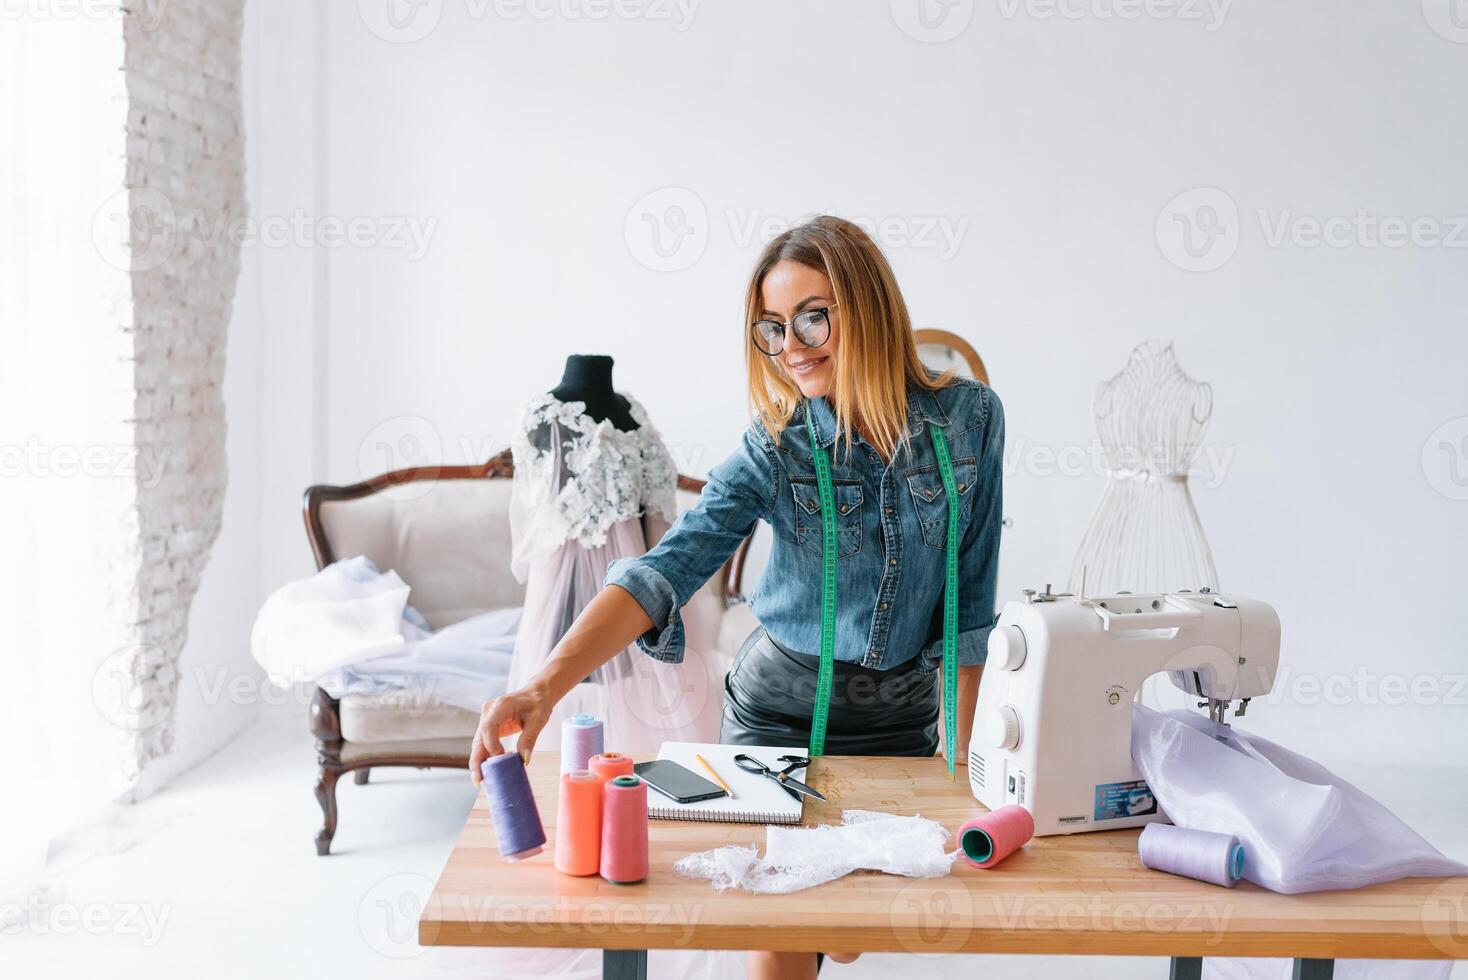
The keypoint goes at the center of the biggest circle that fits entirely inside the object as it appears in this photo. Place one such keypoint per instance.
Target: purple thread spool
(1199, 854)
(581, 738)
(517, 824)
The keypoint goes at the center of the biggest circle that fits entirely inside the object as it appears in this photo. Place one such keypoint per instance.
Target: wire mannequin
(1145, 535)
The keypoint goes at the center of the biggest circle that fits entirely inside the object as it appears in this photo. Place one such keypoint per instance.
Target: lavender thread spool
(1198, 854)
(517, 826)
(581, 738)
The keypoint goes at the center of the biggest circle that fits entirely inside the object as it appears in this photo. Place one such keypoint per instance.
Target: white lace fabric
(797, 858)
(576, 477)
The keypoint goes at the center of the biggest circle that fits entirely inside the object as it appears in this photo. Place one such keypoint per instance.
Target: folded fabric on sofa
(350, 629)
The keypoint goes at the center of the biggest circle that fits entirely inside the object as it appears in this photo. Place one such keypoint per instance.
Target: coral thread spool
(991, 837)
(578, 824)
(624, 831)
(517, 826)
(610, 764)
(581, 738)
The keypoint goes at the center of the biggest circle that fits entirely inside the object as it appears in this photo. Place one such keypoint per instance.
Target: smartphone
(677, 782)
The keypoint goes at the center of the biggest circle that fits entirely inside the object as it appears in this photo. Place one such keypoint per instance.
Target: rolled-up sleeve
(739, 492)
(978, 558)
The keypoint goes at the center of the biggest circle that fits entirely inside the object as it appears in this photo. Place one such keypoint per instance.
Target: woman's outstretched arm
(641, 599)
(608, 624)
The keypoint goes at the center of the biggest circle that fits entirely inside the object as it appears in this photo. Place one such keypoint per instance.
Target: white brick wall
(185, 171)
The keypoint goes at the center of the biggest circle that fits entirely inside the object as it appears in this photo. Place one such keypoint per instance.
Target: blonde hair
(878, 358)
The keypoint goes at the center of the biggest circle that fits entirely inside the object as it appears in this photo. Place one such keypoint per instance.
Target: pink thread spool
(990, 838)
(624, 831)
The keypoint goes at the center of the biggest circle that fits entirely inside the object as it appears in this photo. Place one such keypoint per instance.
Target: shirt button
(886, 605)
(845, 508)
(890, 510)
(892, 561)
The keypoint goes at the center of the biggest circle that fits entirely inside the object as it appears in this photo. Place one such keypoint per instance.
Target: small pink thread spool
(988, 839)
(610, 764)
(624, 831)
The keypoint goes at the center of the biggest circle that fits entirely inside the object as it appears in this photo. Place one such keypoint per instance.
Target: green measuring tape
(828, 593)
(822, 709)
(950, 601)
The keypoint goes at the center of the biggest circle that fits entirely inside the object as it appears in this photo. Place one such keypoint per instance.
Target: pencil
(717, 778)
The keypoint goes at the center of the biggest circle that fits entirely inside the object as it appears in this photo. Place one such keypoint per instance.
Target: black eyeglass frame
(789, 325)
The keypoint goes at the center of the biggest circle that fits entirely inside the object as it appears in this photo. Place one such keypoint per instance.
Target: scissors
(794, 787)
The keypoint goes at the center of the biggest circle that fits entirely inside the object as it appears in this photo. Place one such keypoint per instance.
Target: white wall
(525, 147)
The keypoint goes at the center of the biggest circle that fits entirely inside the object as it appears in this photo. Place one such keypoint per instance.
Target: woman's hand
(525, 711)
(608, 624)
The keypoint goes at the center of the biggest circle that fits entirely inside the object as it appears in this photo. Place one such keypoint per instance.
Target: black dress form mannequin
(588, 379)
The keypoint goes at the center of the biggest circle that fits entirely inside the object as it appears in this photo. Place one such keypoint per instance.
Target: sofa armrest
(326, 720)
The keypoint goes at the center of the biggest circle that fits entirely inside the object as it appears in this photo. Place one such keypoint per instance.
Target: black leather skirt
(769, 695)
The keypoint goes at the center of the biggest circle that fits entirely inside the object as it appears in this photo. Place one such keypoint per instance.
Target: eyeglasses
(812, 327)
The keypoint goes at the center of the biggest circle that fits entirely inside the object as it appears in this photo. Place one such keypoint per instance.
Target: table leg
(624, 964)
(1186, 968)
(1313, 969)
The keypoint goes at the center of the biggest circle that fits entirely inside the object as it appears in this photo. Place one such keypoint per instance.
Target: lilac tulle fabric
(586, 494)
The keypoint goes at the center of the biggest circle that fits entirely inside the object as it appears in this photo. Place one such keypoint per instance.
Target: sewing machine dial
(1004, 727)
(1006, 648)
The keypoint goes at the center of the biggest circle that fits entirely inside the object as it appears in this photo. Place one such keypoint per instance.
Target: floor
(217, 876)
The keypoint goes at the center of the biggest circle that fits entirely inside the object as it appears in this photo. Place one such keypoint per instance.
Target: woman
(833, 369)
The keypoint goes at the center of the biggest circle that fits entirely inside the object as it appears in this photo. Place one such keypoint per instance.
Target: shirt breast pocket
(847, 495)
(931, 499)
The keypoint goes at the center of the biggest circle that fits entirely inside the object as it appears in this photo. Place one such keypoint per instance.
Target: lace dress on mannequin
(585, 494)
(1145, 535)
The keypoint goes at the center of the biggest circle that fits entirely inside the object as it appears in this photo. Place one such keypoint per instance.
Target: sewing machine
(1053, 727)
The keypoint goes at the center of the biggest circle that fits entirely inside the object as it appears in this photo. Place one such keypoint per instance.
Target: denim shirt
(892, 526)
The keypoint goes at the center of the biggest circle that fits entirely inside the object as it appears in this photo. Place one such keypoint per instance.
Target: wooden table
(1081, 894)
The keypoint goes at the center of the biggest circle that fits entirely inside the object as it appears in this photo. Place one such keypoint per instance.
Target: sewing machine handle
(1158, 612)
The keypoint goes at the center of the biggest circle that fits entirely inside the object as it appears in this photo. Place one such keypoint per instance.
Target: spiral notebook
(757, 799)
